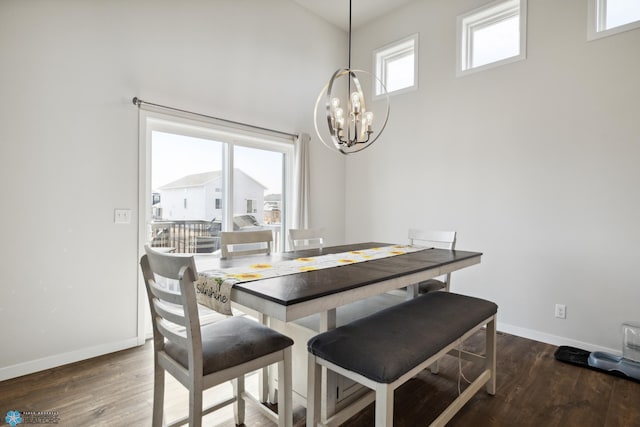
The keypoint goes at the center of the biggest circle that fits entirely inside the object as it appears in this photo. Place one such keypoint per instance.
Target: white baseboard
(553, 339)
(56, 360)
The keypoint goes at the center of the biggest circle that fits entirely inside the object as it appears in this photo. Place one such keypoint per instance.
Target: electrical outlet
(122, 216)
(561, 311)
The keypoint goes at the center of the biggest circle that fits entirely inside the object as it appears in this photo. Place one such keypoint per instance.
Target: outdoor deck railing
(193, 236)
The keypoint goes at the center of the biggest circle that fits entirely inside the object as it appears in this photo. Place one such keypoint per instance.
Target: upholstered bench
(386, 349)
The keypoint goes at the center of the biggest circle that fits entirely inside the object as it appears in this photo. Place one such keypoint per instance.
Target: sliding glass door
(201, 180)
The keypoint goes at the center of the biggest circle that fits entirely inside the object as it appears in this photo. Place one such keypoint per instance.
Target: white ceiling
(363, 11)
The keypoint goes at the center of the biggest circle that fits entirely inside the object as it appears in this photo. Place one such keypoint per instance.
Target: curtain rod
(138, 102)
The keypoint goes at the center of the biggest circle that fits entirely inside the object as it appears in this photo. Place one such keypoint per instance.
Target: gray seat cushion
(389, 343)
(231, 342)
(430, 286)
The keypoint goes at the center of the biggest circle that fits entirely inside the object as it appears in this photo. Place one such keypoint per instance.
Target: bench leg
(384, 405)
(490, 361)
(314, 383)
(238, 405)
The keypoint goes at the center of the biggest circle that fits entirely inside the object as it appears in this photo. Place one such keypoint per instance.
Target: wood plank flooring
(533, 390)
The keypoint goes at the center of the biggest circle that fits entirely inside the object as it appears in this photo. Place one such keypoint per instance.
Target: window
(397, 66)
(607, 17)
(252, 206)
(206, 178)
(492, 35)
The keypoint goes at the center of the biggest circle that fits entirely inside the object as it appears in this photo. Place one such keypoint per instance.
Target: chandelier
(350, 125)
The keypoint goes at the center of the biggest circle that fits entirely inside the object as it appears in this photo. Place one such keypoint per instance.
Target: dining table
(306, 303)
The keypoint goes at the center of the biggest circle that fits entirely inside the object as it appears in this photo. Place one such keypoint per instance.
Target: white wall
(69, 144)
(534, 163)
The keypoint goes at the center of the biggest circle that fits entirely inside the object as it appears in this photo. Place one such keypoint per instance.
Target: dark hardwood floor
(533, 390)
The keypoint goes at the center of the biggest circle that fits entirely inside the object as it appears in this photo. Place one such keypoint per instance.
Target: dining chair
(203, 356)
(207, 244)
(242, 243)
(435, 239)
(306, 238)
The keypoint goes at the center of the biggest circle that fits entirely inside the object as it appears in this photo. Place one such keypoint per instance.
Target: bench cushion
(389, 343)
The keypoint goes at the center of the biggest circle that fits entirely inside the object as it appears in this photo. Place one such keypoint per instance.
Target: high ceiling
(363, 11)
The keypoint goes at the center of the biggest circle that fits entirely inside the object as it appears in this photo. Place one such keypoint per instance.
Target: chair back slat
(170, 332)
(170, 313)
(439, 239)
(164, 295)
(306, 238)
(243, 243)
(168, 265)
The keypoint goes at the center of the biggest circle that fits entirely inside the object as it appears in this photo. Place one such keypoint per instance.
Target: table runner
(213, 287)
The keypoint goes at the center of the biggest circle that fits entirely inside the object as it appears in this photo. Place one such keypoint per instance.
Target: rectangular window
(209, 180)
(492, 35)
(396, 66)
(252, 206)
(608, 17)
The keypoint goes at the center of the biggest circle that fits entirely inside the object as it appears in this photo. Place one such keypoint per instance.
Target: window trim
(597, 19)
(486, 16)
(395, 50)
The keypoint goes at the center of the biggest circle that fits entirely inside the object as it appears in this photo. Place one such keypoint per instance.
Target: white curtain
(301, 182)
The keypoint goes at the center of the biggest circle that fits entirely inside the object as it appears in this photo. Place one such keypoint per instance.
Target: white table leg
(329, 379)
(412, 291)
(327, 320)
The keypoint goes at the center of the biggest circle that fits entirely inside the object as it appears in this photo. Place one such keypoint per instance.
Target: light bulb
(338, 113)
(335, 102)
(355, 102)
(369, 120)
(369, 116)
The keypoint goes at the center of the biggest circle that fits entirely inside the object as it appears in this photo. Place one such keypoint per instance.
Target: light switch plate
(122, 216)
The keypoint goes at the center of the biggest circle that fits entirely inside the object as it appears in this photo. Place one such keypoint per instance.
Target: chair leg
(384, 405)
(238, 405)
(158, 396)
(195, 405)
(263, 381)
(273, 390)
(314, 383)
(490, 357)
(285, 406)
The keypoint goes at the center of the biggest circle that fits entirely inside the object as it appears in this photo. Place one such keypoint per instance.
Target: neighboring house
(272, 208)
(199, 196)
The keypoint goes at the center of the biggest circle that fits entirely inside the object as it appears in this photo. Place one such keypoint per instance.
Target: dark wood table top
(306, 286)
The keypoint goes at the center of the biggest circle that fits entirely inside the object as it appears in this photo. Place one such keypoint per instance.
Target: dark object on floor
(599, 361)
(572, 355)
